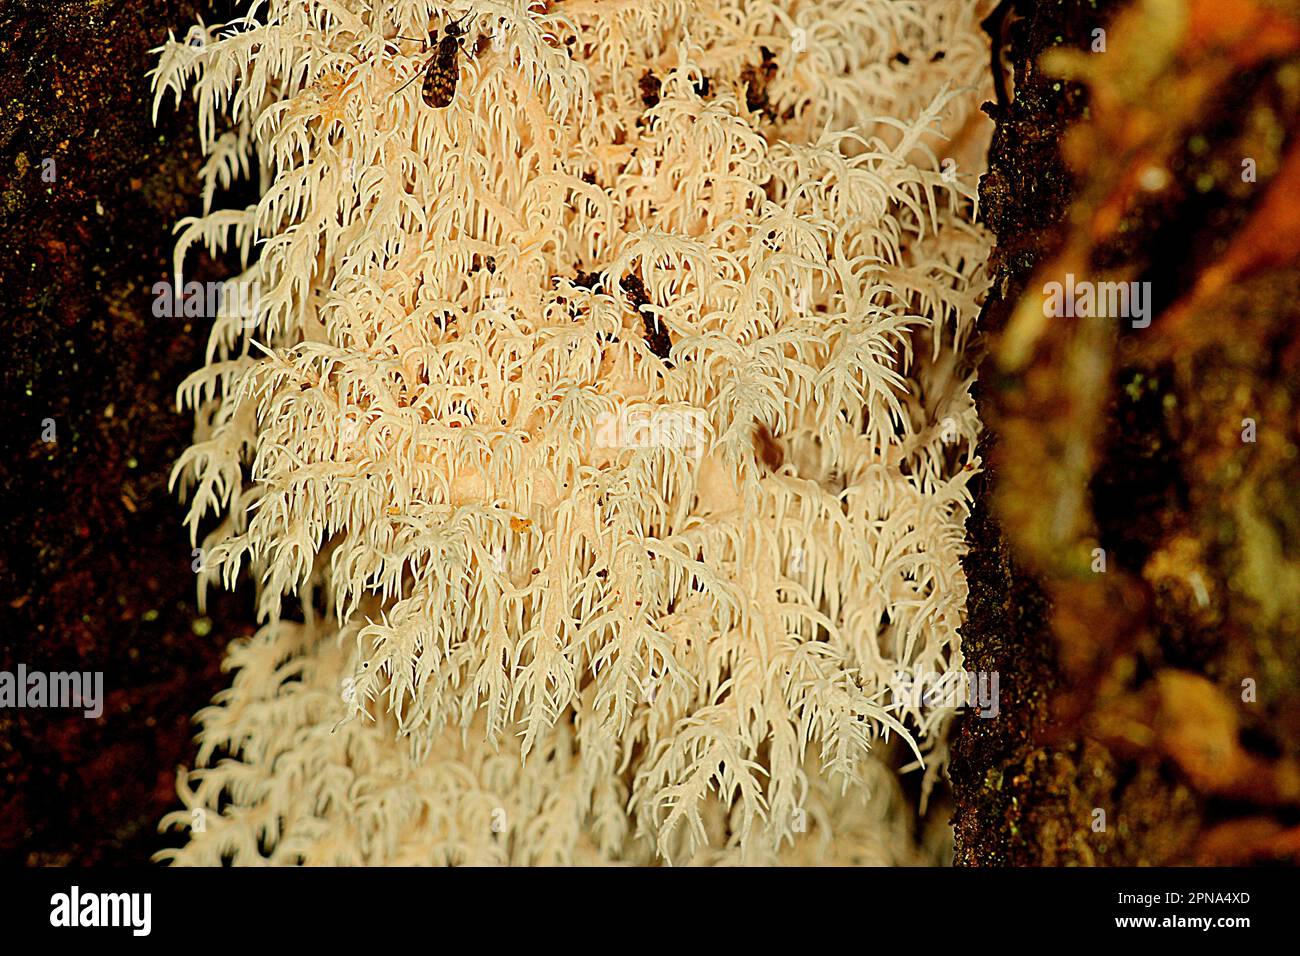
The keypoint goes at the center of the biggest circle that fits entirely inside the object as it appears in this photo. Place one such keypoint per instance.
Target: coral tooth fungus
(550, 608)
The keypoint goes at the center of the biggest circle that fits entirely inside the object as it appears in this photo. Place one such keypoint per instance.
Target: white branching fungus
(561, 594)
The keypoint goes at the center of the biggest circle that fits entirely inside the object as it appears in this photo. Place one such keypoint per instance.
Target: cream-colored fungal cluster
(534, 587)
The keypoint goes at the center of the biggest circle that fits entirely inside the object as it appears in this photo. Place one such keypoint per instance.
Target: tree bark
(1133, 564)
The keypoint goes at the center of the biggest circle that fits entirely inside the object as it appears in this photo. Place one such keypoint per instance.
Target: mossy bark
(1133, 564)
(96, 571)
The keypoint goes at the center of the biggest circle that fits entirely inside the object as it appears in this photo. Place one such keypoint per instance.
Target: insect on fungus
(442, 71)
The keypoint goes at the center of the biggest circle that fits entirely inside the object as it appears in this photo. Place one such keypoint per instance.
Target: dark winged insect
(442, 71)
